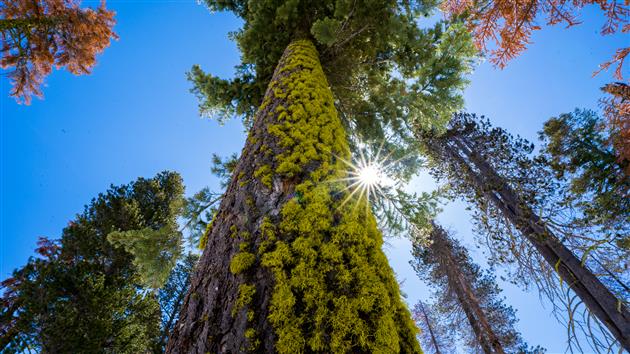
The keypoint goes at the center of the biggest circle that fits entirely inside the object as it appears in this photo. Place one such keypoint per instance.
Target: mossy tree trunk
(289, 266)
(466, 297)
(598, 299)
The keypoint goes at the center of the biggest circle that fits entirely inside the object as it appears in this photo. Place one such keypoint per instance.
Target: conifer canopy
(387, 70)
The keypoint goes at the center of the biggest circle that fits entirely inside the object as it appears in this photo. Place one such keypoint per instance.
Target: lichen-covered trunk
(290, 265)
(466, 297)
(598, 299)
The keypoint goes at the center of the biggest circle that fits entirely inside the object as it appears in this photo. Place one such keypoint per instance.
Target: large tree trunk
(290, 266)
(598, 299)
(460, 285)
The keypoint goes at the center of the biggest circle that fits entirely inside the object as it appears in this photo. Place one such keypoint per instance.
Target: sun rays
(367, 176)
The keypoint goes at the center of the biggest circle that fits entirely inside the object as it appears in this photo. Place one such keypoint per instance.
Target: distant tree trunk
(462, 288)
(598, 299)
(436, 345)
(289, 266)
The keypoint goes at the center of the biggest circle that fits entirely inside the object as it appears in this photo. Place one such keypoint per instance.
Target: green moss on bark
(241, 262)
(245, 295)
(334, 290)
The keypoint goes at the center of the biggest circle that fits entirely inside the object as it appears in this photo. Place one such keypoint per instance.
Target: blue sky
(134, 116)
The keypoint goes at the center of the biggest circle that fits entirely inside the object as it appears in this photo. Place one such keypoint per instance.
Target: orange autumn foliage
(509, 23)
(616, 109)
(39, 34)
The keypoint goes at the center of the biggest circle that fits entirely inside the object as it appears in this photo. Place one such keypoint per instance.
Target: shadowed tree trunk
(488, 183)
(458, 283)
(291, 263)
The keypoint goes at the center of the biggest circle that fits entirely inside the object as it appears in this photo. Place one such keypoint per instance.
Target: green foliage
(387, 73)
(578, 150)
(155, 252)
(171, 295)
(403, 213)
(325, 30)
(200, 209)
(223, 168)
(82, 295)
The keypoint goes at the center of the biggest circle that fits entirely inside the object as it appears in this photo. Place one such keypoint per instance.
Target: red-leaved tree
(40, 34)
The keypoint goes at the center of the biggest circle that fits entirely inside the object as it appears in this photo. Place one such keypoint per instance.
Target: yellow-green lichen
(245, 296)
(333, 288)
(264, 175)
(242, 181)
(254, 342)
(203, 240)
(241, 262)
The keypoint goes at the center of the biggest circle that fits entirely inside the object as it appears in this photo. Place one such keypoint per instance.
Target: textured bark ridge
(290, 264)
(598, 299)
(478, 320)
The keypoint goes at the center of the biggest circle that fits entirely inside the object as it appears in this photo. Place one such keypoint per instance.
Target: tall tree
(492, 170)
(577, 149)
(291, 263)
(510, 24)
(434, 336)
(83, 294)
(466, 293)
(40, 34)
(276, 273)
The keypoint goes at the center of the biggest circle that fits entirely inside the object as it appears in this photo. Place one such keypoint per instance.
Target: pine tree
(578, 150)
(37, 35)
(82, 294)
(292, 263)
(466, 294)
(509, 25)
(434, 335)
(491, 169)
(171, 296)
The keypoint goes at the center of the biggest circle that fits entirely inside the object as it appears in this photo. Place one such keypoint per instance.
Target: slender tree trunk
(458, 283)
(598, 299)
(291, 264)
(171, 318)
(430, 328)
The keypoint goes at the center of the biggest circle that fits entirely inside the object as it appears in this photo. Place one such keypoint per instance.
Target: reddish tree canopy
(40, 34)
(510, 23)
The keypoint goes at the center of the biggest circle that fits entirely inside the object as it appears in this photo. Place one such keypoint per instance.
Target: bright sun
(367, 176)
(370, 175)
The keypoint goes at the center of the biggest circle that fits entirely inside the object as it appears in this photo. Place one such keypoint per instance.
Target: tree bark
(597, 298)
(458, 283)
(289, 266)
